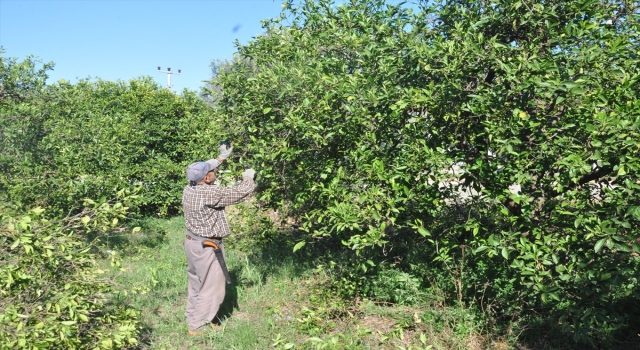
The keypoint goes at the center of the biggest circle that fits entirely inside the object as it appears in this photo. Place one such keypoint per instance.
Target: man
(207, 225)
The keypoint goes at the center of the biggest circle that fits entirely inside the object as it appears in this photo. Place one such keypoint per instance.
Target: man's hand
(250, 173)
(225, 151)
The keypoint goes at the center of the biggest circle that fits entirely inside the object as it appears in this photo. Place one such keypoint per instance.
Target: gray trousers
(206, 285)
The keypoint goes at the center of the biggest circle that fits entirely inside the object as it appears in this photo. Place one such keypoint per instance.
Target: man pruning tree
(207, 225)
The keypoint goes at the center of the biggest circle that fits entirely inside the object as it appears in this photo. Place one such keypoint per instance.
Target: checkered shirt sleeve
(204, 207)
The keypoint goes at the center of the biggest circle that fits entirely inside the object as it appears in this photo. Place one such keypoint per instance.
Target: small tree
(65, 142)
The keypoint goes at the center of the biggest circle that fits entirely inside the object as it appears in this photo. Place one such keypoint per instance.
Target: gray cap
(196, 171)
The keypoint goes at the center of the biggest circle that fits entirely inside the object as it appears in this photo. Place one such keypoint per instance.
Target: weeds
(279, 298)
(285, 300)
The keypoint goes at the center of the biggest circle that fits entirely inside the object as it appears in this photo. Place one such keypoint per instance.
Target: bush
(65, 142)
(395, 286)
(499, 134)
(53, 296)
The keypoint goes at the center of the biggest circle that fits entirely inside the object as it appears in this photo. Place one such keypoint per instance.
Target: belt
(214, 238)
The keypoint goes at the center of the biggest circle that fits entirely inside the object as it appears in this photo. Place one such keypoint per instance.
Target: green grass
(276, 300)
(152, 278)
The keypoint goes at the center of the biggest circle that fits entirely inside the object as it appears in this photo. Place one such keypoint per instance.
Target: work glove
(225, 150)
(250, 173)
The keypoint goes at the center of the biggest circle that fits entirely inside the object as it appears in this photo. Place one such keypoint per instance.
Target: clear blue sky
(112, 39)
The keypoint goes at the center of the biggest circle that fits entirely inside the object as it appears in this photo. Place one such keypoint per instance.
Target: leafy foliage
(501, 134)
(21, 86)
(65, 142)
(53, 296)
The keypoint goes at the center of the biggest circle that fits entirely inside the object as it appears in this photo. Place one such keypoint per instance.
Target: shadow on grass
(230, 302)
(145, 336)
(272, 255)
(545, 332)
(128, 243)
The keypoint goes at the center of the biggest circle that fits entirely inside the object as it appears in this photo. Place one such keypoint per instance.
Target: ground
(273, 302)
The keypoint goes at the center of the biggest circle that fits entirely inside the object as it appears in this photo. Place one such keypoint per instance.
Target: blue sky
(114, 39)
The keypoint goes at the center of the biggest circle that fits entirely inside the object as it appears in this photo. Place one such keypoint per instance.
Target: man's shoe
(198, 331)
(211, 326)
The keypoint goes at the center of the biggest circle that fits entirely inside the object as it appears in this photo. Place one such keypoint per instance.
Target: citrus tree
(53, 294)
(21, 96)
(497, 141)
(65, 142)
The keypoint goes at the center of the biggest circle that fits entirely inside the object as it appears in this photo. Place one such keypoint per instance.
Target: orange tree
(65, 142)
(496, 141)
(62, 145)
(53, 294)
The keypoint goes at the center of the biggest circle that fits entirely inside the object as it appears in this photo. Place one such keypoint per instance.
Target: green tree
(53, 295)
(212, 92)
(501, 136)
(65, 142)
(111, 135)
(22, 94)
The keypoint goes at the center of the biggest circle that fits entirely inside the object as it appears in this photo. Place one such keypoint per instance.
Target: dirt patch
(160, 312)
(242, 316)
(476, 342)
(378, 323)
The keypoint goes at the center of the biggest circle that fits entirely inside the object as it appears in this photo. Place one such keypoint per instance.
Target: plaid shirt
(204, 207)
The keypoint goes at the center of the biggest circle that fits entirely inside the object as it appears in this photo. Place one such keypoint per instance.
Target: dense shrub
(59, 145)
(469, 135)
(53, 296)
(21, 120)
(65, 142)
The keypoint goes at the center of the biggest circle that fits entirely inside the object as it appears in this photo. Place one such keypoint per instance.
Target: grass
(277, 300)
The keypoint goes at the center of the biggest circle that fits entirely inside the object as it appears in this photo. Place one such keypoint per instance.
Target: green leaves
(599, 245)
(299, 245)
(509, 131)
(94, 138)
(505, 253)
(423, 231)
(51, 288)
(481, 249)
